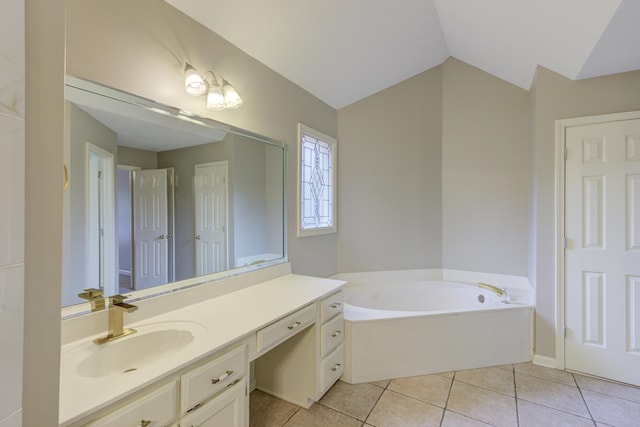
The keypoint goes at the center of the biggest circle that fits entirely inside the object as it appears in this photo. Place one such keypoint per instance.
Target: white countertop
(227, 319)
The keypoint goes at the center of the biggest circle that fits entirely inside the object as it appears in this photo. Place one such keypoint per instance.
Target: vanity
(174, 226)
(191, 366)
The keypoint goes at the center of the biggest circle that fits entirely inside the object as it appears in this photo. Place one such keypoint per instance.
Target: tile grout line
(583, 399)
(446, 402)
(515, 394)
(377, 400)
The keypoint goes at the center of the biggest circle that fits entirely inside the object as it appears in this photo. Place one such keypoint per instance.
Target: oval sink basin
(151, 344)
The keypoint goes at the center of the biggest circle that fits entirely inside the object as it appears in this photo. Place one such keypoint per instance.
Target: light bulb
(193, 83)
(215, 99)
(231, 97)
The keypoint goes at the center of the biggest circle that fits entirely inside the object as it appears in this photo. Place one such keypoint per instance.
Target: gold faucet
(94, 296)
(117, 308)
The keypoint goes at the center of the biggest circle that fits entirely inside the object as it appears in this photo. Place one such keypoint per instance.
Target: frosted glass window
(316, 182)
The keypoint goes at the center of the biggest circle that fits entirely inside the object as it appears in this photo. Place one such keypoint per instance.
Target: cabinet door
(226, 410)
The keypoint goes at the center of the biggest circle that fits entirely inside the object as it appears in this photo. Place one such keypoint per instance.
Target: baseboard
(547, 362)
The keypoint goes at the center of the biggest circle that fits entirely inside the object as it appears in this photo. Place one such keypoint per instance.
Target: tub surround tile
(482, 404)
(268, 411)
(495, 379)
(432, 389)
(534, 415)
(321, 416)
(545, 373)
(12, 58)
(394, 409)
(550, 393)
(611, 410)
(451, 419)
(12, 190)
(355, 400)
(608, 387)
(11, 330)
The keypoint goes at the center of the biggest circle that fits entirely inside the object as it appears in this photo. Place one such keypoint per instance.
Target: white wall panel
(593, 150)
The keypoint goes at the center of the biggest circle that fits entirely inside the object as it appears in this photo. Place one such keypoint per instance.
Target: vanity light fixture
(220, 94)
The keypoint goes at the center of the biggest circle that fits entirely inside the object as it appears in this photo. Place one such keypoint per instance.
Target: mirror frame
(138, 102)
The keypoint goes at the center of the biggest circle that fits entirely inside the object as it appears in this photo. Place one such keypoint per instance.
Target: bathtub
(416, 322)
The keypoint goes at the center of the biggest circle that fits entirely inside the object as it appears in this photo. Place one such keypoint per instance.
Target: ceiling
(342, 51)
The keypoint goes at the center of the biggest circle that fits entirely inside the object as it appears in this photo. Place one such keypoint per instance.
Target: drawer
(201, 383)
(226, 410)
(331, 368)
(155, 409)
(272, 335)
(331, 335)
(331, 306)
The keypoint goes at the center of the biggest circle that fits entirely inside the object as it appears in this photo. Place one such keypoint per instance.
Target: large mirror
(158, 199)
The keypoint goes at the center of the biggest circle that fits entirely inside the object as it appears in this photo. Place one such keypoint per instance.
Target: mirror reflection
(157, 196)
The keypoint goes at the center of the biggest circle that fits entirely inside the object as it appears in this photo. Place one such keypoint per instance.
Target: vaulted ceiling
(342, 51)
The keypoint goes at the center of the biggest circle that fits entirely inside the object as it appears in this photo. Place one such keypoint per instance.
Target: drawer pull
(335, 367)
(294, 325)
(145, 423)
(233, 383)
(221, 377)
(336, 333)
(335, 305)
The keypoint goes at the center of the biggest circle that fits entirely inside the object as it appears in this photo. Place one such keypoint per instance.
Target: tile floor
(521, 395)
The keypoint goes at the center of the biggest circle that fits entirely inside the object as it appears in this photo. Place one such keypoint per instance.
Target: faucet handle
(94, 296)
(117, 299)
(91, 293)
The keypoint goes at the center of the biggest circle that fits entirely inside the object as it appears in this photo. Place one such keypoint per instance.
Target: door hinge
(565, 331)
(564, 243)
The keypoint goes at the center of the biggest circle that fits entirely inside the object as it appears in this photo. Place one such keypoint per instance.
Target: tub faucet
(117, 308)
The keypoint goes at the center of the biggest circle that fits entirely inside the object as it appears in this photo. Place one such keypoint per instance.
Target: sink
(153, 344)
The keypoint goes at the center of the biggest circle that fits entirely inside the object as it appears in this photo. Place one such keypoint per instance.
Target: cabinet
(214, 393)
(302, 368)
(228, 409)
(155, 409)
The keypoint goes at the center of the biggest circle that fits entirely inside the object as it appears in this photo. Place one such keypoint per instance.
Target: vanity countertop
(227, 318)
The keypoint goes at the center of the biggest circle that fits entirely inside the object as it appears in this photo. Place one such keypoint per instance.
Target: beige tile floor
(523, 395)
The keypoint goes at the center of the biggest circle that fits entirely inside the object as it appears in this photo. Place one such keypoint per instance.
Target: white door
(602, 259)
(150, 228)
(210, 217)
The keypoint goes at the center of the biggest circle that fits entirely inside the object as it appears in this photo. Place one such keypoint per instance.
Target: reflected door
(602, 259)
(210, 187)
(150, 228)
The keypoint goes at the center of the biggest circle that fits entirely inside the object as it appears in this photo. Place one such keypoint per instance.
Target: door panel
(150, 227)
(210, 189)
(602, 258)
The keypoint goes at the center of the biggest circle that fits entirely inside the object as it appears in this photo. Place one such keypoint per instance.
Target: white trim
(306, 130)
(547, 362)
(106, 159)
(561, 128)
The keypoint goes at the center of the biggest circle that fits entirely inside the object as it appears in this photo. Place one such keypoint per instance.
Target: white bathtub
(415, 322)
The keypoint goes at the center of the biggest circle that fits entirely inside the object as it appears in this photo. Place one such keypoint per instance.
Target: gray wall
(389, 178)
(485, 172)
(84, 128)
(108, 39)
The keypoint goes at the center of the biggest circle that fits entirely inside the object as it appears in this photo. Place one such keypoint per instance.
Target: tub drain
(129, 370)
(481, 298)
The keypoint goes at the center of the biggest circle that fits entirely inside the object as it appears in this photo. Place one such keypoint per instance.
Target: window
(316, 182)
